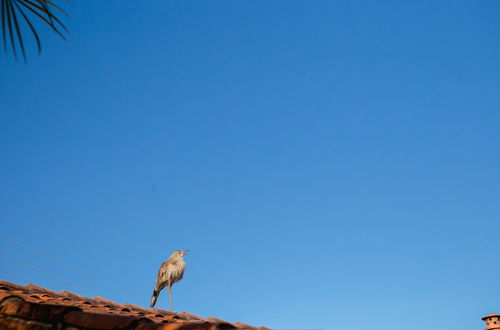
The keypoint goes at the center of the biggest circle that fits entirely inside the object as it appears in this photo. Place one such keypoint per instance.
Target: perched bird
(171, 271)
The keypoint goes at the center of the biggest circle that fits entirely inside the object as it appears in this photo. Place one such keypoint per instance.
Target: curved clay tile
(32, 306)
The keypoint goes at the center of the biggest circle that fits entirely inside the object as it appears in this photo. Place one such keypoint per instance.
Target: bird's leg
(170, 297)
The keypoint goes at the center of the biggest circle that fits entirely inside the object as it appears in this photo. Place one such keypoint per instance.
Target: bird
(171, 271)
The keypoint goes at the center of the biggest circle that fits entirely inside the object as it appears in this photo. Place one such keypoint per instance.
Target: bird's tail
(153, 298)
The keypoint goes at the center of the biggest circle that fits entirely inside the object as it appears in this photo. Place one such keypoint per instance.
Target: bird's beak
(185, 252)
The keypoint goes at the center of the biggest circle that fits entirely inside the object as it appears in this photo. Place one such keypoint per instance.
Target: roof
(34, 307)
(492, 321)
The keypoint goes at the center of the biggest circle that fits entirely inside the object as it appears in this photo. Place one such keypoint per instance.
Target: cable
(95, 278)
(13, 275)
(45, 273)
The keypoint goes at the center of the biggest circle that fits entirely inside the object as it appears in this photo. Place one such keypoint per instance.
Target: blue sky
(330, 164)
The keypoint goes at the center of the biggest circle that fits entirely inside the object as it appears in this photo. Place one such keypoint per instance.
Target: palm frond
(12, 29)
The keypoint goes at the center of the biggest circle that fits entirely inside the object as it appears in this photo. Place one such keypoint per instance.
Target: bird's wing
(163, 273)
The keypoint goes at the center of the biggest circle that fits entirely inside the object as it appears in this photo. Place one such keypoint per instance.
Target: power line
(95, 278)
(45, 273)
(13, 275)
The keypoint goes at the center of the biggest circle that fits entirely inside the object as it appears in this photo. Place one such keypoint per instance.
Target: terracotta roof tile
(10, 286)
(20, 324)
(71, 295)
(179, 326)
(212, 319)
(34, 307)
(98, 321)
(190, 317)
(106, 302)
(243, 325)
(17, 307)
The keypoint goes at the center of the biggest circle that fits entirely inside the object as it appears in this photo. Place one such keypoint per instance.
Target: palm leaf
(33, 30)
(12, 27)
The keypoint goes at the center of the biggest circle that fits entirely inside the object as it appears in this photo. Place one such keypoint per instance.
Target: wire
(45, 273)
(95, 278)
(13, 275)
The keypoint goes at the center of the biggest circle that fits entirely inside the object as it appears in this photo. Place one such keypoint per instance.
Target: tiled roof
(492, 321)
(34, 307)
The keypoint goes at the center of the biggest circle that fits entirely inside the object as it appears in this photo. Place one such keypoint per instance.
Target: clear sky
(330, 164)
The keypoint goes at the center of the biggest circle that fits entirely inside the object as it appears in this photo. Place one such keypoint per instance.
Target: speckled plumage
(171, 271)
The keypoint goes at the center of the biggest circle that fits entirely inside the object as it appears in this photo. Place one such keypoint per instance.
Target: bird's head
(180, 253)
